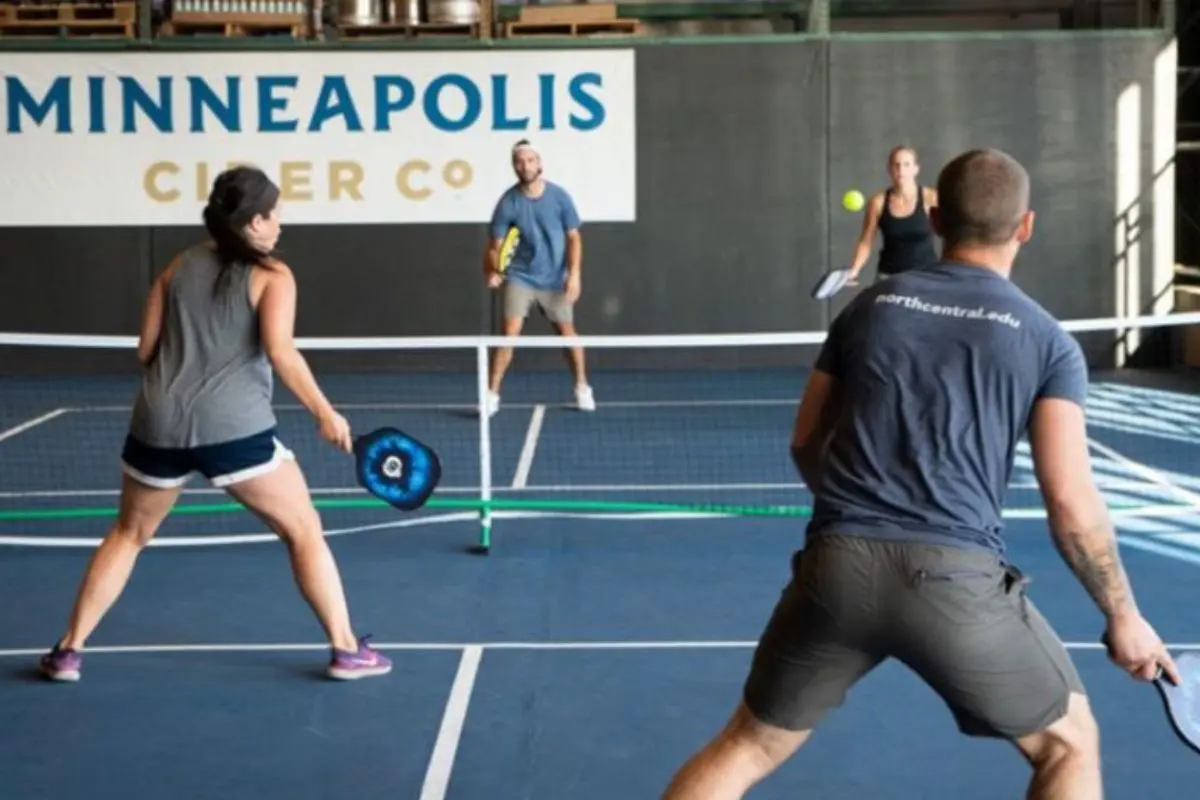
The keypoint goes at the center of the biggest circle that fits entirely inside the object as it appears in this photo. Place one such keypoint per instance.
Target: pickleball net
(686, 426)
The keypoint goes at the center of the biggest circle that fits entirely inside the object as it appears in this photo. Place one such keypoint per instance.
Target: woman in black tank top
(900, 214)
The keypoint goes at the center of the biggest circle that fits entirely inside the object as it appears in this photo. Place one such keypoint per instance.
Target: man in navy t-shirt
(546, 266)
(906, 436)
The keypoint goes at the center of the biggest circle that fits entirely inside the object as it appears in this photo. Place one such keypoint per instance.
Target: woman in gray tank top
(217, 324)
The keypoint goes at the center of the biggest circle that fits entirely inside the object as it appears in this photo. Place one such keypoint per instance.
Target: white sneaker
(492, 404)
(584, 398)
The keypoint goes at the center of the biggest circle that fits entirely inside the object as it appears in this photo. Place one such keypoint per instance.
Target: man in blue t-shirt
(545, 269)
(906, 436)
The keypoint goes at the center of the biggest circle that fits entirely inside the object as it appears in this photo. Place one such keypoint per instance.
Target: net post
(485, 449)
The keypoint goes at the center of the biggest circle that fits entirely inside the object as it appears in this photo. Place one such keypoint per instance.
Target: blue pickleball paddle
(396, 468)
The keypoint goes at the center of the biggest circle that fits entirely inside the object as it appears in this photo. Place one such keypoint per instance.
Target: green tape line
(595, 506)
(514, 504)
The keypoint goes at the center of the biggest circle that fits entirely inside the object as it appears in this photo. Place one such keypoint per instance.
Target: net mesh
(685, 426)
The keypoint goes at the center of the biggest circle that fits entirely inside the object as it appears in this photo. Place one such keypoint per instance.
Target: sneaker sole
(358, 672)
(62, 677)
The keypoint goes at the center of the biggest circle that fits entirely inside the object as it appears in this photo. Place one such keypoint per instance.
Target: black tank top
(908, 242)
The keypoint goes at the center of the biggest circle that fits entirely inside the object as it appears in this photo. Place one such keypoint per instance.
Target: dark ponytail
(238, 196)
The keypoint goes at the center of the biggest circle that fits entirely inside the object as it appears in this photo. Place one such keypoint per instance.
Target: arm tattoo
(1094, 558)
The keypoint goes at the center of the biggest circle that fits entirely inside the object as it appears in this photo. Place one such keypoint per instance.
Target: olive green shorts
(957, 617)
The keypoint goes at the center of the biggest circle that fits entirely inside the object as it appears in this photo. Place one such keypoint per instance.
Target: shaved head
(983, 197)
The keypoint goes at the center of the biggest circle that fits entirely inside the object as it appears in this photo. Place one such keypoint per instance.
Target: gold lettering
(203, 181)
(402, 182)
(345, 176)
(340, 180)
(294, 180)
(457, 174)
(150, 182)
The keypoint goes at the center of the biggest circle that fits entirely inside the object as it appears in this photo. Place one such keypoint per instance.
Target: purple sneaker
(62, 665)
(366, 663)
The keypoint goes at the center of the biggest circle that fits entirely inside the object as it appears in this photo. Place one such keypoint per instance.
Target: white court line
(1113, 485)
(58, 542)
(525, 462)
(215, 540)
(50, 494)
(115, 409)
(441, 763)
(790, 401)
(24, 426)
(435, 647)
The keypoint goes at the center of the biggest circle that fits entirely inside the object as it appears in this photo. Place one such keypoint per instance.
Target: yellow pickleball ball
(853, 200)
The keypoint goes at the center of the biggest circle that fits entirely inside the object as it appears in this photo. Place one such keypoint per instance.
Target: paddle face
(1183, 701)
(396, 468)
(831, 283)
(509, 247)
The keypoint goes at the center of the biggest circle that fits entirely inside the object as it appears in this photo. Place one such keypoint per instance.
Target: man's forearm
(574, 257)
(1090, 550)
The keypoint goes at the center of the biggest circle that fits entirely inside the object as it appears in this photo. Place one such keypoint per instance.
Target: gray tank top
(211, 380)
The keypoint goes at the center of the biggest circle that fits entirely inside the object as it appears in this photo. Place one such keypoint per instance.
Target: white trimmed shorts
(223, 463)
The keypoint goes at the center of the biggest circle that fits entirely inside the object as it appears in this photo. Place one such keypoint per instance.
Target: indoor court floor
(584, 658)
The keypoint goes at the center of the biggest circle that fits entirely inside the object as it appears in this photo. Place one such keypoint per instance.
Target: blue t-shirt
(540, 260)
(940, 368)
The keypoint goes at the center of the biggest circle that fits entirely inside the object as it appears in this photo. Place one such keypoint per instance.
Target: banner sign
(91, 139)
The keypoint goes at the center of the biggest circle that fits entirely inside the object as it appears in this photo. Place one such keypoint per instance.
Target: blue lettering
(500, 120)
(134, 96)
(546, 98)
(470, 92)
(450, 103)
(58, 98)
(384, 105)
(95, 104)
(268, 103)
(228, 113)
(587, 101)
(335, 101)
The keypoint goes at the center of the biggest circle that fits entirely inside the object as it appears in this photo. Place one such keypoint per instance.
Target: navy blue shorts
(223, 464)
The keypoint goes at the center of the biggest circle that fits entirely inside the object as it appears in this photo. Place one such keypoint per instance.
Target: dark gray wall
(743, 150)
(1049, 101)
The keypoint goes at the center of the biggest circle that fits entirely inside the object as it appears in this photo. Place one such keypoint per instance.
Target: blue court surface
(585, 657)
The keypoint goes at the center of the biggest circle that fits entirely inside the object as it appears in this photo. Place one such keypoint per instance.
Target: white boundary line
(24, 426)
(441, 763)
(215, 540)
(789, 401)
(1112, 485)
(480, 647)
(529, 448)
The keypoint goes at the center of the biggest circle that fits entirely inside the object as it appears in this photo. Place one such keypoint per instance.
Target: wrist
(1127, 612)
(323, 410)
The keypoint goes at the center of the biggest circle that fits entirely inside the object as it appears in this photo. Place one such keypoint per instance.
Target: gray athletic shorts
(519, 299)
(958, 618)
